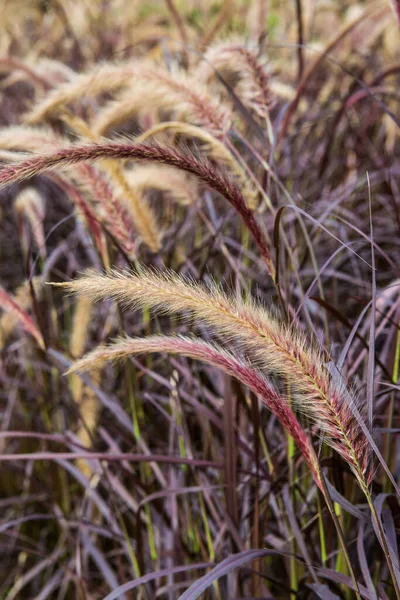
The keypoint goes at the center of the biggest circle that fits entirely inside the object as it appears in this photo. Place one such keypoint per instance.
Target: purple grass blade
(131, 585)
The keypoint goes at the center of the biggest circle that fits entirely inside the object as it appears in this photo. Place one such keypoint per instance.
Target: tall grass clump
(199, 308)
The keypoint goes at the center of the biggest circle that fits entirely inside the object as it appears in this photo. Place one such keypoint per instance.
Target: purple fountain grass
(204, 109)
(256, 90)
(283, 351)
(160, 90)
(253, 86)
(246, 106)
(201, 168)
(102, 78)
(113, 214)
(218, 357)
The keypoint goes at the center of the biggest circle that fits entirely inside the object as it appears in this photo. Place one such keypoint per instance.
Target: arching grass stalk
(205, 171)
(283, 351)
(271, 345)
(244, 372)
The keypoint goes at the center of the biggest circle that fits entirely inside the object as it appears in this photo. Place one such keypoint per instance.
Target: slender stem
(321, 531)
(339, 530)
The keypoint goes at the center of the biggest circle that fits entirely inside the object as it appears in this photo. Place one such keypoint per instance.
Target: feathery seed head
(29, 203)
(201, 168)
(280, 350)
(106, 77)
(158, 91)
(235, 58)
(218, 357)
